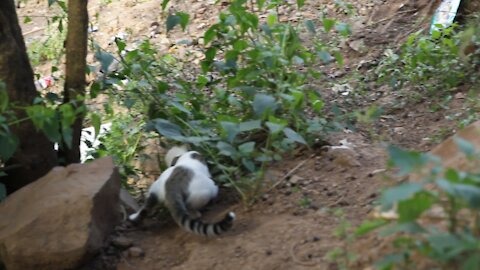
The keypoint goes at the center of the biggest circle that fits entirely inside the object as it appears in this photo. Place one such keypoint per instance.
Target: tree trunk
(35, 153)
(77, 37)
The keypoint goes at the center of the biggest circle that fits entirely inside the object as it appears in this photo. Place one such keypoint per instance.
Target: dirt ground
(291, 227)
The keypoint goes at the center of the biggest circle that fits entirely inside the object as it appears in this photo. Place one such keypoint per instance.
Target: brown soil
(291, 227)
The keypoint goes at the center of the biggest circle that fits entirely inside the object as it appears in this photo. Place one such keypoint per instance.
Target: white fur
(133, 216)
(201, 189)
(173, 153)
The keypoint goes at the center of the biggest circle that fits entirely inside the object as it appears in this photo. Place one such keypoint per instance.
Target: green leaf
(210, 34)
(407, 227)
(8, 145)
(310, 26)
(67, 114)
(210, 53)
(406, 161)
(248, 164)
(272, 19)
(192, 139)
(328, 24)
(388, 261)
(444, 243)
(263, 103)
(167, 129)
(184, 18)
(472, 263)
(294, 136)
(67, 135)
(260, 4)
(3, 100)
(250, 125)
(227, 149)
(411, 209)
(399, 193)
(51, 127)
(465, 146)
(121, 45)
(3, 192)
(368, 226)
(325, 57)
(96, 122)
(274, 127)
(105, 58)
(339, 58)
(27, 19)
(164, 4)
(231, 129)
(470, 194)
(300, 3)
(240, 45)
(51, 2)
(343, 29)
(246, 148)
(172, 21)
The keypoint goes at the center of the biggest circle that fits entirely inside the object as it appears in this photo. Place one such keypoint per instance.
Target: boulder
(62, 219)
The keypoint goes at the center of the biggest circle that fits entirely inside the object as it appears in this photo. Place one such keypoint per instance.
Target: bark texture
(35, 153)
(77, 37)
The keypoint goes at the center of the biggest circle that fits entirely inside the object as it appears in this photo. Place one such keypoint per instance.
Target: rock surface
(62, 219)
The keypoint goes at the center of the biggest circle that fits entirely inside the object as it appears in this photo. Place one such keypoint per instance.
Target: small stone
(399, 130)
(295, 179)
(122, 242)
(331, 193)
(268, 252)
(375, 172)
(357, 45)
(135, 252)
(315, 239)
(459, 95)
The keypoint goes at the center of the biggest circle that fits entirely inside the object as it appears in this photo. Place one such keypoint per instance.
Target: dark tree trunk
(35, 153)
(77, 37)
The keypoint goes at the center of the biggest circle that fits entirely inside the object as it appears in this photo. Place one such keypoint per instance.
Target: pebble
(122, 242)
(136, 252)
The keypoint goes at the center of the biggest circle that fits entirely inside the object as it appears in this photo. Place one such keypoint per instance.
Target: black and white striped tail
(199, 227)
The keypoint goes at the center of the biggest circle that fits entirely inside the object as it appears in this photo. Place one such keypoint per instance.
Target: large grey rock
(62, 219)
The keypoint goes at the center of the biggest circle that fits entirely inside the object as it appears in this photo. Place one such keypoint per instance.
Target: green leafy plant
(342, 256)
(453, 241)
(123, 142)
(429, 62)
(247, 104)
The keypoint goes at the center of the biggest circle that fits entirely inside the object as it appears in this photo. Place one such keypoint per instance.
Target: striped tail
(207, 229)
(197, 226)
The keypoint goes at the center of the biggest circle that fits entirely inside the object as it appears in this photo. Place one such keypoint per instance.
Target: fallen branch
(292, 171)
(392, 16)
(33, 31)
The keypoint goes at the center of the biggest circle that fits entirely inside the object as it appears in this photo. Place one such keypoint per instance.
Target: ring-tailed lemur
(184, 188)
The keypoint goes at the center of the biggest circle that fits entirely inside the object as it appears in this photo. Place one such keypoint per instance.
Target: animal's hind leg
(152, 200)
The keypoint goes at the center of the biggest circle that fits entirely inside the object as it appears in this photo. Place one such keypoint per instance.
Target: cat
(184, 188)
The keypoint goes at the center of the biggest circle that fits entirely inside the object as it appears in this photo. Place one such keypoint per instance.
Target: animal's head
(174, 153)
(189, 157)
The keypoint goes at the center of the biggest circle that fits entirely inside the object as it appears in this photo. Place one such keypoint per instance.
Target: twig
(392, 16)
(289, 173)
(11, 167)
(336, 202)
(33, 31)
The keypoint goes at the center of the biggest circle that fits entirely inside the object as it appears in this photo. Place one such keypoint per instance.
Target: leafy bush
(451, 238)
(433, 62)
(250, 104)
